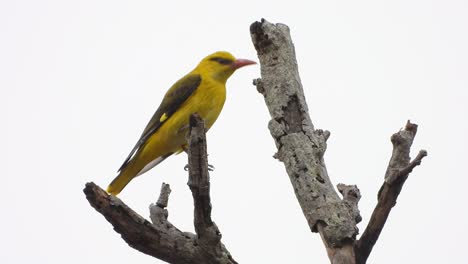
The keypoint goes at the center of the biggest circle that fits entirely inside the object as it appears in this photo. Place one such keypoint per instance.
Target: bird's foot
(210, 167)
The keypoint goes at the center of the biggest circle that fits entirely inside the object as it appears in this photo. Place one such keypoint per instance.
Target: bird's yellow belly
(171, 136)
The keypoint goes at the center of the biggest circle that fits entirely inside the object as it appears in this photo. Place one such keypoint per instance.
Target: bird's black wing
(174, 98)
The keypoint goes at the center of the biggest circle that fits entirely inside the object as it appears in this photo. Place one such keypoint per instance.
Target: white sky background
(80, 79)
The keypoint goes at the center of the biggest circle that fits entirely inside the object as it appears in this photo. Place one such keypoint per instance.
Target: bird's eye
(222, 60)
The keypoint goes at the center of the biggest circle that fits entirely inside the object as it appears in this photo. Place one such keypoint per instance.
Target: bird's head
(221, 65)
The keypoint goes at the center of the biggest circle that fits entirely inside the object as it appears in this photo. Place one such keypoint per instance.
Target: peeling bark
(301, 148)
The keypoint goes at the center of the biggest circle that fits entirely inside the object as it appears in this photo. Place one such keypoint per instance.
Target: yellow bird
(202, 91)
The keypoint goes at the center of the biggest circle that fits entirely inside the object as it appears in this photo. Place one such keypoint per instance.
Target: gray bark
(301, 148)
(398, 170)
(208, 234)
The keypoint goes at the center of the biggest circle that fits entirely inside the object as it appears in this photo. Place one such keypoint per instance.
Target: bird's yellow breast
(208, 101)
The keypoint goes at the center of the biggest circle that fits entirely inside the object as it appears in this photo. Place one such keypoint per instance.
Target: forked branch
(161, 239)
(301, 148)
(398, 170)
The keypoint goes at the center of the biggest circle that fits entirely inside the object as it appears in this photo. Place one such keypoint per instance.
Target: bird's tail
(134, 168)
(124, 177)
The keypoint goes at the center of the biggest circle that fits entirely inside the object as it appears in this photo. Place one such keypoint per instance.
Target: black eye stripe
(222, 60)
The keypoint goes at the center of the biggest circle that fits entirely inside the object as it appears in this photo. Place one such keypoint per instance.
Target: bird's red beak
(241, 63)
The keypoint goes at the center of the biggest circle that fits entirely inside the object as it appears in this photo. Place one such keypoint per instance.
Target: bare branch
(208, 233)
(164, 195)
(416, 162)
(398, 170)
(162, 239)
(300, 146)
(158, 211)
(199, 177)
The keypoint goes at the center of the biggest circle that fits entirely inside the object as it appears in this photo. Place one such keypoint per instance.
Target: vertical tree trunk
(301, 148)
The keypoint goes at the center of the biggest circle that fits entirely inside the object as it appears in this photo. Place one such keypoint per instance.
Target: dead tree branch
(161, 239)
(208, 234)
(301, 148)
(398, 170)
